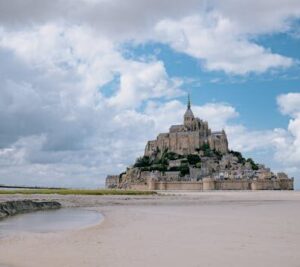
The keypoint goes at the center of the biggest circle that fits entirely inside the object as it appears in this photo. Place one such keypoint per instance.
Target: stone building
(188, 137)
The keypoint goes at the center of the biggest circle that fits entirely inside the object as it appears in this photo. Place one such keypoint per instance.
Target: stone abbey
(192, 157)
(189, 137)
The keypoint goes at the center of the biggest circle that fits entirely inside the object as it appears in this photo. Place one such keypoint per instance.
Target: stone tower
(188, 115)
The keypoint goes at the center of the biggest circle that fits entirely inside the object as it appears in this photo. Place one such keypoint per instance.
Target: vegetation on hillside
(161, 161)
(254, 166)
(193, 159)
(242, 160)
(239, 156)
(144, 161)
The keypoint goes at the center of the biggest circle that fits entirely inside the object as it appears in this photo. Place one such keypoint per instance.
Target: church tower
(188, 115)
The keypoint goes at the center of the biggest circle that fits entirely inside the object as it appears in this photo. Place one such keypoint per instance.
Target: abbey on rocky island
(192, 157)
(188, 137)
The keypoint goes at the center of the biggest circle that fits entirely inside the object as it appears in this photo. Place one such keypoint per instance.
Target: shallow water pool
(51, 221)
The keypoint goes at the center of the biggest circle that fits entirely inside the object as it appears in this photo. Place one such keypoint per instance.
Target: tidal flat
(223, 228)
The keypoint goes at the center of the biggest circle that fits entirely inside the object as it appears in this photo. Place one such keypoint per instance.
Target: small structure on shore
(192, 157)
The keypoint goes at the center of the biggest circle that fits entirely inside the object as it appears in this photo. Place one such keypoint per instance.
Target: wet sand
(193, 229)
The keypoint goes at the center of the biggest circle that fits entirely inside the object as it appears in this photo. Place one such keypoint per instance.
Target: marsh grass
(93, 192)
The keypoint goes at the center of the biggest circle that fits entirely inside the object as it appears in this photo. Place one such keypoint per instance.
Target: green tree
(206, 150)
(237, 154)
(173, 156)
(193, 159)
(184, 169)
(254, 166)
(144, 161)
(218, 154)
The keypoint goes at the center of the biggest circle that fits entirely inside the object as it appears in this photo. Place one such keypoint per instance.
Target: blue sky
(82, 91)
(253, 95)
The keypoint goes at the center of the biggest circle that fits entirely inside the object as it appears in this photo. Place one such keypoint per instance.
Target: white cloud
(217, 41)
(94, 60)
(245, 140)
(164, 115)
(58, 127)
(204, 30)
(288, 147)
(56, 123)
(141, 81)
(289, 104)
(259, 17)
(217, 114)
(55, 100)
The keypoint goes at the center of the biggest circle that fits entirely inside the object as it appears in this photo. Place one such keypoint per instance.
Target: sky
(85, 83)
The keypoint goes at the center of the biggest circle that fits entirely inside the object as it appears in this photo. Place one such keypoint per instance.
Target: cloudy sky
(84, 84)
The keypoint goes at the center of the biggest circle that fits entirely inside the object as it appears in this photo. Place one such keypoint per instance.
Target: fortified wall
(209, 184)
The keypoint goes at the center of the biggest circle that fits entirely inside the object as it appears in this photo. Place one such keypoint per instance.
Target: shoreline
(14, 207)
(193, 229)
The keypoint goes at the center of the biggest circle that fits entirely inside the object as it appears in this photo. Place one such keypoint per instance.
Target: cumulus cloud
(57, 58)
(260, 16)
(288, 147)
(289, 104)
(53, 111)
(210, 38)
(204, 30)
(166, 114)
(142, 81)
(117, 16)
(117, 19)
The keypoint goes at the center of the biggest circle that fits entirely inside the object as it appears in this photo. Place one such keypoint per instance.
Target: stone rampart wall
(178, 186)
(280, 184)
(211, 184)
(232, 185)
(206, 184)
(143, 186)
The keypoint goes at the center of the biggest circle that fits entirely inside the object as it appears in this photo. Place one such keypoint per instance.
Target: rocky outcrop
(10, 208)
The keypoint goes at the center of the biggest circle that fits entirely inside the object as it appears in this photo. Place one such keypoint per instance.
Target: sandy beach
(186, 229)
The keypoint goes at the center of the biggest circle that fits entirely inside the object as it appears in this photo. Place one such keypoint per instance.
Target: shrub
(173, 156)
(163, 159)
(206, 149)
(218, 154)
(193, 159)
(144, 161)
(158, 167)
(122, 173)
(174, 169)
(237, 154)
(198, 165)
(254, 166)
(184, 169)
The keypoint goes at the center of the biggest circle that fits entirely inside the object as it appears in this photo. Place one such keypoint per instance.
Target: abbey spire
(188, 115)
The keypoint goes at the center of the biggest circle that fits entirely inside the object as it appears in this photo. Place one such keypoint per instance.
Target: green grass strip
(94, 192)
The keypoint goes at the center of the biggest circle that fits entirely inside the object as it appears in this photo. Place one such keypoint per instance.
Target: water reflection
(50, 221)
